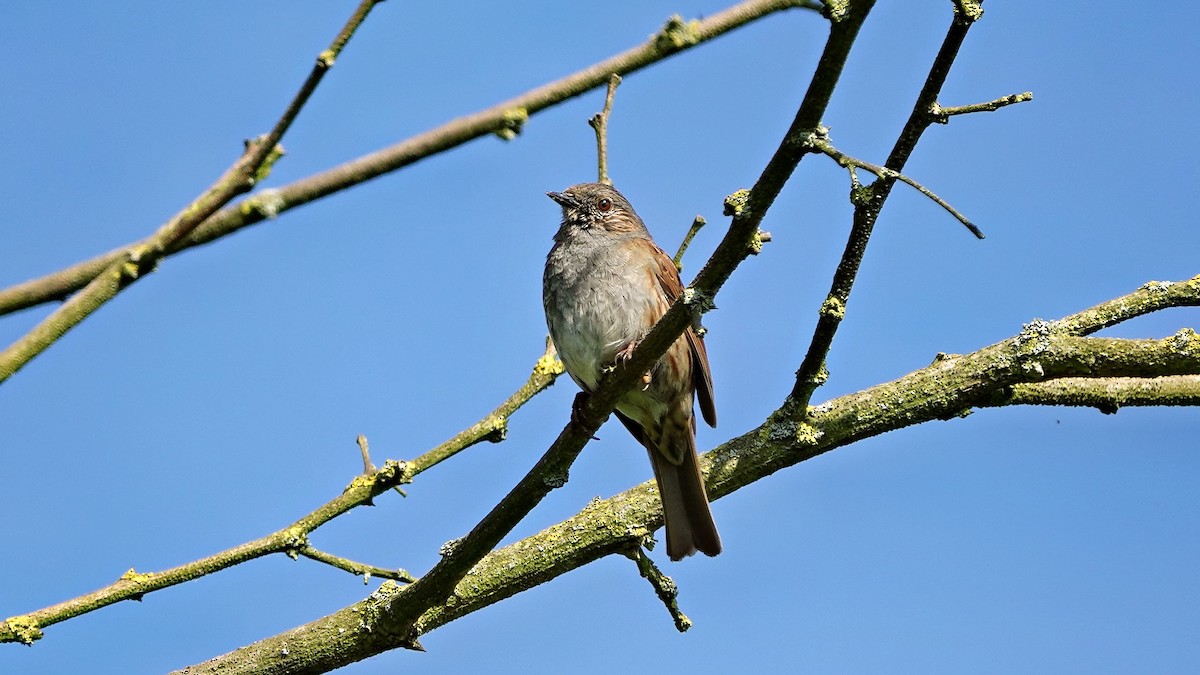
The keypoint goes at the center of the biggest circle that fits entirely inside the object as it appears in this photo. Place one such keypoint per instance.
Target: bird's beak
(564, 200)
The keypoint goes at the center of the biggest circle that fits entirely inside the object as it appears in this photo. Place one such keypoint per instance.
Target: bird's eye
(604, 205)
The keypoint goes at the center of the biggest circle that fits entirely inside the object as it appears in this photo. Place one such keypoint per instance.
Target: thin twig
(942, 115)
(494, 426)
(135, 262)
(361, 569)
(599, 122)
(825, 147)
(365, 451)
(664, 587)
(698, 223)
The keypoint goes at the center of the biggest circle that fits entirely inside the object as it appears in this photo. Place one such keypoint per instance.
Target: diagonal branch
(821, 143)
(293, 539)
(868, 202)
(505, 119)
(1151, 297)
(133, 263)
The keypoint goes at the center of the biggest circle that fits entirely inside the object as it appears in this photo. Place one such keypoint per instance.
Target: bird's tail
(688, 519)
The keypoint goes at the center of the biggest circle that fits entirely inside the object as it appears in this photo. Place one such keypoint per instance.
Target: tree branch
(293, 539)
(1110, 394)
(820, 142)
(868, 202)
(947, 389)
(599, 122)
(133, 263)
(942, 115)
(505, 119)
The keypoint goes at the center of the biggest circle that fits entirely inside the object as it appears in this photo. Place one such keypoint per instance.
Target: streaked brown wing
(668, 279)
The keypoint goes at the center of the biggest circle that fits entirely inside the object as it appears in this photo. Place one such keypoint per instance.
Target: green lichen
(677, 34)
(808, 435)
(549, 365)
(861, 195)
(497, 427)
(968, 10)
(833, 308)
(264, 169)
(757, 241)
(137, 577)
(512, 123)
(1186, 341)
(267, 204)
(737, 203)
(24, 629)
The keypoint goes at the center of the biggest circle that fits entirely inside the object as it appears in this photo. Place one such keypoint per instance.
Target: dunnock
(606, 284)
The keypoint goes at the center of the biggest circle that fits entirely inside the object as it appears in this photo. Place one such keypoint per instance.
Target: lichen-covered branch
(998, 375)
(1109, 394)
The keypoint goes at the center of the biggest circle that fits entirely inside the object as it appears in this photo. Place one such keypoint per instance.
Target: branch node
(1186, 341)
(23, 629)
(677, 34)
(833, 308)
(512, 123)
(267, 203)
(738, 204)
(967, 11)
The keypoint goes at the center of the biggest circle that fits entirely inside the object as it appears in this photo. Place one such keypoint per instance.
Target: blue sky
(219, 399)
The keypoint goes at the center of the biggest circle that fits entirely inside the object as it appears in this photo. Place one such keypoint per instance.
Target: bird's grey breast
(595, 301)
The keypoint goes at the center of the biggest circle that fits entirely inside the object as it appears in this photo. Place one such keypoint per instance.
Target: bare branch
(664, 587)
(599, 122)
(868, 203)
(822, 144)
(942, 115)
(1151, 297)
(697, 223)
(505, 119)
(361, 569)
(136, 261)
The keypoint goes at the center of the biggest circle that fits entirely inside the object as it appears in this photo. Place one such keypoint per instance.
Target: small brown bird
(605, 286)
